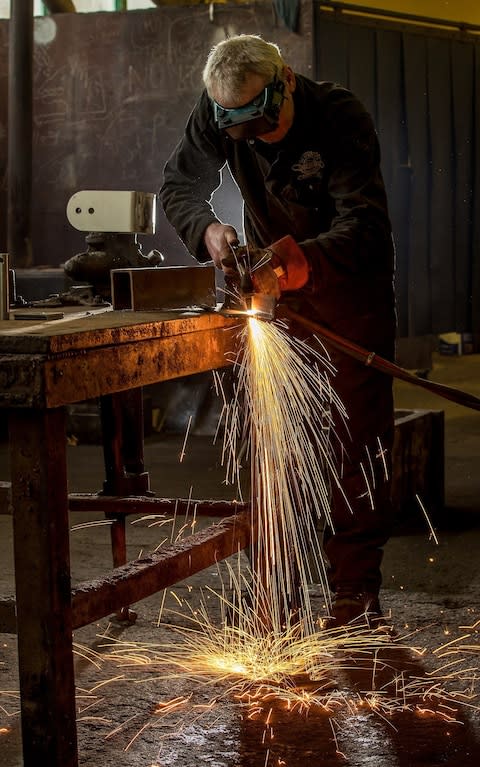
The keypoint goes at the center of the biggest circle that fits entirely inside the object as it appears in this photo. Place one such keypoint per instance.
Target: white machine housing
(96, 210)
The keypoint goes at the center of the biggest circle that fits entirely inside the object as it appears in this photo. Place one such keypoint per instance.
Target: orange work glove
(289, 264)
(280, 267)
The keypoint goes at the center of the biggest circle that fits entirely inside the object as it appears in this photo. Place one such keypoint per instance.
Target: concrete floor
(431, 589)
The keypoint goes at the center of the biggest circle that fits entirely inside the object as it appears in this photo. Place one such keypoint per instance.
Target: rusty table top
(88, 354)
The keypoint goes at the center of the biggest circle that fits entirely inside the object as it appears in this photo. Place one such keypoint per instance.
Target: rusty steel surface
(111, 352)
(102, 328)
(118, 368)
(42, 584)
(145, 576)
(21, 382)
(160, 288)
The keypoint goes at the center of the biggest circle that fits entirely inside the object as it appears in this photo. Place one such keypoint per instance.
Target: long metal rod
(143, 577)
(91, 502)
(464, 26)
(371, 359)
(20, 111)
(140, 578)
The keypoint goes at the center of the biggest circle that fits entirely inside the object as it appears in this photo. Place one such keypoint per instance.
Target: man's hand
(280, 267)
(218, 239)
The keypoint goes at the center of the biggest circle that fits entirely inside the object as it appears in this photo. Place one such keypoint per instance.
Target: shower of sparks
(266, 673)
(237, 653)
(281, 416)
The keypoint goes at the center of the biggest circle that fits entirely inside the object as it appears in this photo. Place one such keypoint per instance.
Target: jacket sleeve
(190, 177)
(359, 238)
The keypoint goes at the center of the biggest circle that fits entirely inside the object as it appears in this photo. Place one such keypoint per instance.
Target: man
(305, 157)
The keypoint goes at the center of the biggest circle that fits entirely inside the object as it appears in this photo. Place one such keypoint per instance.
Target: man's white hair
(231, 61)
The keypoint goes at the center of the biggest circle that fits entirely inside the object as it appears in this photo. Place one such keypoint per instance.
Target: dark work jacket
(321, 184)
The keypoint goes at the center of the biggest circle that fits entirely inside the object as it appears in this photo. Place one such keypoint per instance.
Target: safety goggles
(259, 116)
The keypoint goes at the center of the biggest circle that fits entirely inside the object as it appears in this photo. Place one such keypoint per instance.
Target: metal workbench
(44, 367)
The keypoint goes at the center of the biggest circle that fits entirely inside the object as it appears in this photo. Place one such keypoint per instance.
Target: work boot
(356, 609)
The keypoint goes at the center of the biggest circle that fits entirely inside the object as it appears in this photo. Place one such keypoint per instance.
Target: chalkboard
(112, 92)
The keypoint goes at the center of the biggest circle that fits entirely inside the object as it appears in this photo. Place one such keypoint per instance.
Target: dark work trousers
(361, 506)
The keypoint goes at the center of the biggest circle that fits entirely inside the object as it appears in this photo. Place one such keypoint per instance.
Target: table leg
(43, 591)
(123, 432)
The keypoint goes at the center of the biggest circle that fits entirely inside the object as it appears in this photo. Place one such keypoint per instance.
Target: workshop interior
(114, 341)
